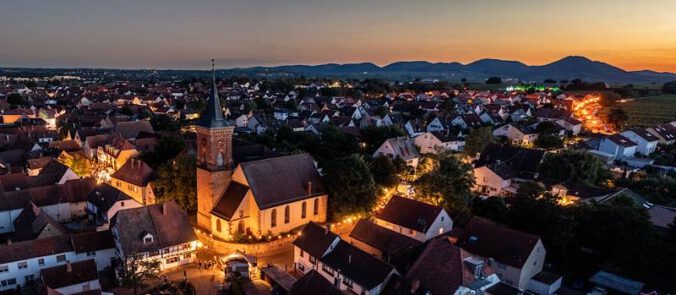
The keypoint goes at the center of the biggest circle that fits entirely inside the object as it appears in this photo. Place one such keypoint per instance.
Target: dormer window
(147, 238)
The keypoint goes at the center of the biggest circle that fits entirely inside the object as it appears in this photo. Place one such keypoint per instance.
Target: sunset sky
(187, 34)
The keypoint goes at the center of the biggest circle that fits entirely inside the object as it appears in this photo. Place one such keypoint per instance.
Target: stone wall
(270, 248)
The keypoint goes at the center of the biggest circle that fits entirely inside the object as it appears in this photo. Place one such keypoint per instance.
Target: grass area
(650, 110)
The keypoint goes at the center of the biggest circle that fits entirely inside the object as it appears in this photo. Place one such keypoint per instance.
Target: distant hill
(568, 68)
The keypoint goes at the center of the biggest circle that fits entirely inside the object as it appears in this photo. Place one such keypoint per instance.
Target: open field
(650, 110)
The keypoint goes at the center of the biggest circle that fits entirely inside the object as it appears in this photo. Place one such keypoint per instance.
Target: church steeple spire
(213, 117)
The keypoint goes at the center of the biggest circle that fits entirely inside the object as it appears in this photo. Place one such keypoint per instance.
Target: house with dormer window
(159, 232)
(347, 267)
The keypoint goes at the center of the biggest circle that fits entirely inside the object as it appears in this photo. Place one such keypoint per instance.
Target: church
(239, 198)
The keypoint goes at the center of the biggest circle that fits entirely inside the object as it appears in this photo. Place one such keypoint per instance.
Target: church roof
(281, 180)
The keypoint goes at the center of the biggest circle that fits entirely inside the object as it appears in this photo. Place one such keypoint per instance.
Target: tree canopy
(15, 99)
(178, 182)
(384, 172)
(448, 184)
(546, 141)
(350, 186)
(669, 87)
(136, 272)
(477, 140)
(574, 166)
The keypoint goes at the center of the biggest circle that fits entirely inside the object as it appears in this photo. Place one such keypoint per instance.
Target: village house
(399, 148)
(313, 282)
(462, 272)
(438, 142)
(116, 152)
(501, 168)
(61, 202)
(346, 266)
(517, 134)
(573, 193)
(104, 202)
(414, 219)
(21, 262)
(646, 142)
(618, 146)
(380, 241)
(71, 278)
(666, 133)
(134, 179)
(160, 232)
(515, 256)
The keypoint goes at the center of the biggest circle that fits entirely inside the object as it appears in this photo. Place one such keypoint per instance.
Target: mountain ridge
(567, 68)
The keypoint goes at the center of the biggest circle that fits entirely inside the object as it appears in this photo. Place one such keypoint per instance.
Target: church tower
(214, 155)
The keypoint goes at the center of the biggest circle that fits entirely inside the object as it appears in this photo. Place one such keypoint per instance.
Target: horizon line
(315, 64)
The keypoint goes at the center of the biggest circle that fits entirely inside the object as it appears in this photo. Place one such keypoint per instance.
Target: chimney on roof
(327, 228)
(309, 188)
(349, 258)
(164, 208)
(9, 242)
(69, 267)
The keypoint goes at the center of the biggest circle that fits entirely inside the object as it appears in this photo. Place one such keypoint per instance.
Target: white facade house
(349, 268)
(415, 219)
(438, 142)
(646, 142)
(491, 180)
(159, 232)
(22, 262)
(618, 145)
(517, 256)
(399, 148)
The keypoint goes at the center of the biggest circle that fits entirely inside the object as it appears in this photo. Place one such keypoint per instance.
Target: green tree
(477, 140)
(548, 141)
(350, 186)
(546, 127)
(373, 136)
(530, 190)
(574, 166)
(178, 182)
(126, 110)
(669, 87)
(15, 99)
(448, 184)
(384, 172)
(79, 164)
(166, 149)
(165, 123)
(136, 272)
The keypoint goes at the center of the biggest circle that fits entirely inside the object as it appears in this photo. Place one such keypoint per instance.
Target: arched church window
(273, 218)
(287, 214)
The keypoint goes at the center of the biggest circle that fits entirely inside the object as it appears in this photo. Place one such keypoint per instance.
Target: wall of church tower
(214, 147)
(210, 186)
